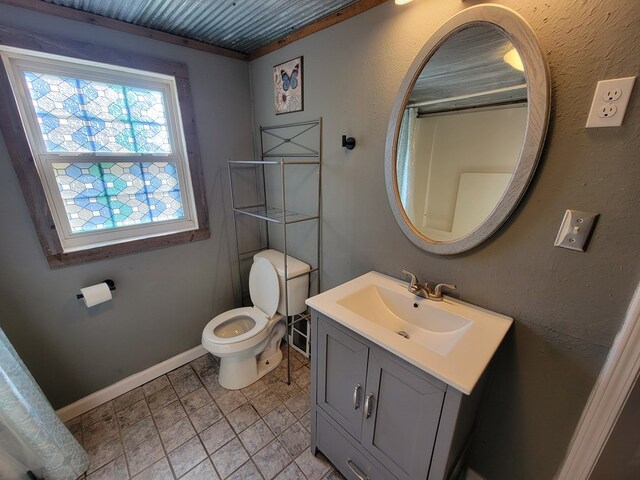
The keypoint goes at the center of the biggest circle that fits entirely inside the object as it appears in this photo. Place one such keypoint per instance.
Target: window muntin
(100, 117)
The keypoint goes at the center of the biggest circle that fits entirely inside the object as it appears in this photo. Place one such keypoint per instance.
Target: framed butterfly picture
(287, 86)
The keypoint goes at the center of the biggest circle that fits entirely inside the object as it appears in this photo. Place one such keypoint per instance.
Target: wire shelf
(275, 215)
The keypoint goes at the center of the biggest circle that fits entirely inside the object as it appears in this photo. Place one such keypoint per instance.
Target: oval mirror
(467, 129)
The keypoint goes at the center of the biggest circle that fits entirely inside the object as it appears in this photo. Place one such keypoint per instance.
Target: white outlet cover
(622, 87)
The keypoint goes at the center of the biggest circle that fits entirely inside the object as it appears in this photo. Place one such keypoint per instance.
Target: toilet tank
(298, 287)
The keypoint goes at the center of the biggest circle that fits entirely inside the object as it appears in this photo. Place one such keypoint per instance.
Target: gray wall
(164, 297)
(568, 306)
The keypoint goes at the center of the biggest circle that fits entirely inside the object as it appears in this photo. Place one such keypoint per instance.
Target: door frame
(607, 399)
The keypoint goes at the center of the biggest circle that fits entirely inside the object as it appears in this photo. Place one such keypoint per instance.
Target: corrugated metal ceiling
(238, 25)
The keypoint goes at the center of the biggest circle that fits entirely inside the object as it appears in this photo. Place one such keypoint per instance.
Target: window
(108, 146)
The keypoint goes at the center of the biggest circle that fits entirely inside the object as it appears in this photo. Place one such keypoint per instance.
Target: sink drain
(402, 333)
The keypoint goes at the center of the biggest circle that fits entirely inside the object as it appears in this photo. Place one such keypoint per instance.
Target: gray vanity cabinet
(342, 381)
(377, 417)
(404, 411)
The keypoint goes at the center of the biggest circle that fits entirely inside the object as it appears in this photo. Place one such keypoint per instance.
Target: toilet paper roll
(96, 294)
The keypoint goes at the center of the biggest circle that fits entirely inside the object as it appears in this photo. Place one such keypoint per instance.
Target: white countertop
(463, 363)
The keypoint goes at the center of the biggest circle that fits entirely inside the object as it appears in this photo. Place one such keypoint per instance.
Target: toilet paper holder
(110, 283)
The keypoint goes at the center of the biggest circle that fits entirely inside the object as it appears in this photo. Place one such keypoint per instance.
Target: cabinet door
(342, 370)
(404, 414)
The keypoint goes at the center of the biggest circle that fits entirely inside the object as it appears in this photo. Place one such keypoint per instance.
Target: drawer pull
(356, 471)
(367, 404)
(356, 396)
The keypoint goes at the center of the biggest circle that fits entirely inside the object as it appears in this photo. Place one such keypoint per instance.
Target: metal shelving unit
(282, 147)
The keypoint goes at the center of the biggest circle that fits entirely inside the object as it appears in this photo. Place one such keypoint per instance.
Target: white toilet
(247, 339)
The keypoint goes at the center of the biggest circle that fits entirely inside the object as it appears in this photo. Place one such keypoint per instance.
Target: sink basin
(452, 340)
(434, 325)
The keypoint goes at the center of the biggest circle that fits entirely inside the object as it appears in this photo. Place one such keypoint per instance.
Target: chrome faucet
(424, 291)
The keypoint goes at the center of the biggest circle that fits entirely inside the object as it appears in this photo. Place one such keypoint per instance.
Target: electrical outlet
(610, 102)
(607, 111)
(575, 230)
(612, 94)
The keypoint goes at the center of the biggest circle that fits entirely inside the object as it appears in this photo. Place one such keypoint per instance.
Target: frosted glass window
(108, 146)
(109, 195)
(76, 115)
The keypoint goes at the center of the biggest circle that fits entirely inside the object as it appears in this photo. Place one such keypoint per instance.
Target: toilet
(247, 339)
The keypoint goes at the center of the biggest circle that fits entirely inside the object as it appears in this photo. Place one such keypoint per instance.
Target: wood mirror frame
(518, 31)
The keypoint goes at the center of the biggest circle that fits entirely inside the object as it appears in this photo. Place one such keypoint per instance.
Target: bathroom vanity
(396, 379)
(376, 416)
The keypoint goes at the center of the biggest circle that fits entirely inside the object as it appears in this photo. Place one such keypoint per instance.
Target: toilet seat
(252, 313)
(240, 342)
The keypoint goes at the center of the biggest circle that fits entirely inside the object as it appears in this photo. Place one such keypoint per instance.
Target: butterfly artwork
(287, 86)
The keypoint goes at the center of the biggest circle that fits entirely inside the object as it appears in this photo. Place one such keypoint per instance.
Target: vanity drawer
(345, 456)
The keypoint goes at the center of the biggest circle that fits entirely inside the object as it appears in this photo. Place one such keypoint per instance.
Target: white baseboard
(471, 475)
(123, 386)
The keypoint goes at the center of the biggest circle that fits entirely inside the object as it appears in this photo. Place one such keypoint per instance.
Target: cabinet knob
(356, 471)
(367, 404)
(356, 396)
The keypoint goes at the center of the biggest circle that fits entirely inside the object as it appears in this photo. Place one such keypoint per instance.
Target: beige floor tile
(265, 402)
(242, 417)
(314, 468)
(128, 398)
(144, 455)
(158, 471)
(272, 459)
(114, 470)
(177, 434)
(155, 385)
(161, 398)
(202, 471)
(217, 435)
(229, 458)
(98, 432)
(256, 436)
(167, 416)
(104, 452)
(205, 417)
(196, 399)
(101, 412)
(132, 414)
(138, 433)
(187, 456)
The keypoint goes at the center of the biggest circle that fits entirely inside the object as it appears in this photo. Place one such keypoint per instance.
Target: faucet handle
(437, 291)
(414, 279)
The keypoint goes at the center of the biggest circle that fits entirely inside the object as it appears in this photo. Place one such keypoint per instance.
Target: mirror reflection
(461, 133)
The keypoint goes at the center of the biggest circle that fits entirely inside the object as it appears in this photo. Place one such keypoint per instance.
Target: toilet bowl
(247, 339)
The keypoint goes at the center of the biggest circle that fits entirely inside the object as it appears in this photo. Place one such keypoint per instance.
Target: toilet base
(236, 373)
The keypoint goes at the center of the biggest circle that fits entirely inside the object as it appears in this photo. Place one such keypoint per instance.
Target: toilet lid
(263, 286)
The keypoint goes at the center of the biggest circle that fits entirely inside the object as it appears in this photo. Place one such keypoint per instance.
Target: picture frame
(288, 86)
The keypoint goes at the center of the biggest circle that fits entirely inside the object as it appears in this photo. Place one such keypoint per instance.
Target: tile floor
(185, 425)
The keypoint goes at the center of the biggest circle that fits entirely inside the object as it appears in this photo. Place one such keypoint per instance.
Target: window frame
(37, 182)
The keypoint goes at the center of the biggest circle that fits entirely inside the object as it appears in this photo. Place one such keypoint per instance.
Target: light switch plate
(610, 102)
(575, 230)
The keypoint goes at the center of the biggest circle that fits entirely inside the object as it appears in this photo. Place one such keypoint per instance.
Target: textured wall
(164, 297)
(568, 306)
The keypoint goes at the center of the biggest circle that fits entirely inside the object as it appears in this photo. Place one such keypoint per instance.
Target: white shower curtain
(406, 157)
(32, 437)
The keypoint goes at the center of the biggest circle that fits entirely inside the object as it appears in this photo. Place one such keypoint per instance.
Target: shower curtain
(32, 437)
(406, 157)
